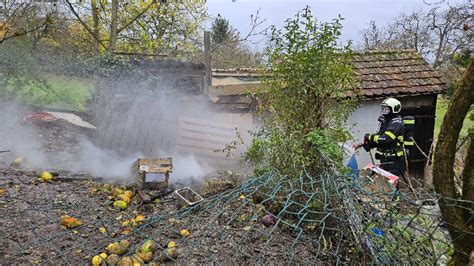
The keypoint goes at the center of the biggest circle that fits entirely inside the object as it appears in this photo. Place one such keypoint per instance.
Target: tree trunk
(443, 173)
(113, 26)
(95, 27)
(468, 181)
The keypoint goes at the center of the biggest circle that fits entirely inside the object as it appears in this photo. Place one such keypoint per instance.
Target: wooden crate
(142, 167)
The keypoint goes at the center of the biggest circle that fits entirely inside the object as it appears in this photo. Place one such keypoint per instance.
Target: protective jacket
(389, 140)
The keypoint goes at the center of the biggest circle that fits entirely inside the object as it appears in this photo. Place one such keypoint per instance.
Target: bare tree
(233, 50)
(436, 34)
(373, 37)
(450, 30)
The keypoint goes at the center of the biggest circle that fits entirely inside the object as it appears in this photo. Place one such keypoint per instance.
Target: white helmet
(391, 105)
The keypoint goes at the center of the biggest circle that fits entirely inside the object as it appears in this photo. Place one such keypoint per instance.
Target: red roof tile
(380, 73)
(384, 73)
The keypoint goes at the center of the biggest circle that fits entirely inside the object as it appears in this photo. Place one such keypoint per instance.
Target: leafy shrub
(306, 100)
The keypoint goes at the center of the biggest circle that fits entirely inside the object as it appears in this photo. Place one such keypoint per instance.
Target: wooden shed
(402, 74)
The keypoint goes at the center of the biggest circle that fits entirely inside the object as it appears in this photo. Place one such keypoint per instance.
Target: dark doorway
(424, 130)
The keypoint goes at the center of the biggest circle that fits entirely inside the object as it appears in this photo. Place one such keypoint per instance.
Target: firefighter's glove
(381, 119)
(367, 142)
(367, 147)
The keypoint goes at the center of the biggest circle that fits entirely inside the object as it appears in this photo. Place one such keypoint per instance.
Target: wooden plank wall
(202, 138)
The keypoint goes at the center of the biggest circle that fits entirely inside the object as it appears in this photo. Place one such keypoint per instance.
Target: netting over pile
(267, 219)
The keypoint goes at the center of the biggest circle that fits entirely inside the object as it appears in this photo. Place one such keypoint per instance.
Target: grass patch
(52, 91)
(441, 108)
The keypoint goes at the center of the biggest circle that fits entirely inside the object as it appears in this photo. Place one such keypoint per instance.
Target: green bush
(305, 102)
(327, 143)
(51, 91)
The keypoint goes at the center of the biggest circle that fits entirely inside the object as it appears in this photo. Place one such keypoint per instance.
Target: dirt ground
(225, 227)
(31, 231)
(221, 230)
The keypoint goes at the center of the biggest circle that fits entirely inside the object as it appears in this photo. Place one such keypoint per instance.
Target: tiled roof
(405, 72)
(380, 73)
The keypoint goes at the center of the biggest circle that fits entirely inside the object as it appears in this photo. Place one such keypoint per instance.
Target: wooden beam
(207, 60)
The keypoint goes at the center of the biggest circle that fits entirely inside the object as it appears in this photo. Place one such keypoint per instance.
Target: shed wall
(364, 120)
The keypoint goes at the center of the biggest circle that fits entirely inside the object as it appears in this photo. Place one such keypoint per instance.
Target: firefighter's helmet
(391, 105)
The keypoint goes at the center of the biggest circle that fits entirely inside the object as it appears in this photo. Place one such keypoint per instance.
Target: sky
(357, 13)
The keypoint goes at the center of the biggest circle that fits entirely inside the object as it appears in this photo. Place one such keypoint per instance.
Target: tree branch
(136, 17)
(255, 23)
(16, 34)
(84, 24)
(435, 3)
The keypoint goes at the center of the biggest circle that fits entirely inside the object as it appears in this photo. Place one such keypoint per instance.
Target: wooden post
(207, 60)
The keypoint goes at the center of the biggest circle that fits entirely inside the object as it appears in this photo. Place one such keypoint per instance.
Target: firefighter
(389, 139)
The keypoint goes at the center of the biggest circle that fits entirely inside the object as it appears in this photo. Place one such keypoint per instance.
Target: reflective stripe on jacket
(389, 139)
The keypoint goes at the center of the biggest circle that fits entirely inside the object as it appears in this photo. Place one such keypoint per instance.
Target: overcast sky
(357, 13)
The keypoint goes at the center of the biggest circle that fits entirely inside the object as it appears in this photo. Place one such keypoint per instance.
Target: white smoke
(103, 163)
(21, 140)
(187, 166)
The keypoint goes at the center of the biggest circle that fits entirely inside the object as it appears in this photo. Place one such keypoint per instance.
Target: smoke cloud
(160, 114)
(22, 141)
(60, 146)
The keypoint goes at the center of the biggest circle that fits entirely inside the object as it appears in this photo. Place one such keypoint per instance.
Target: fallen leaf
(184, 232)
(103, 230)
(140, 218)
(70, 222)
(128, 193)
(171, 244)
(143, 257)
(126, 231)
